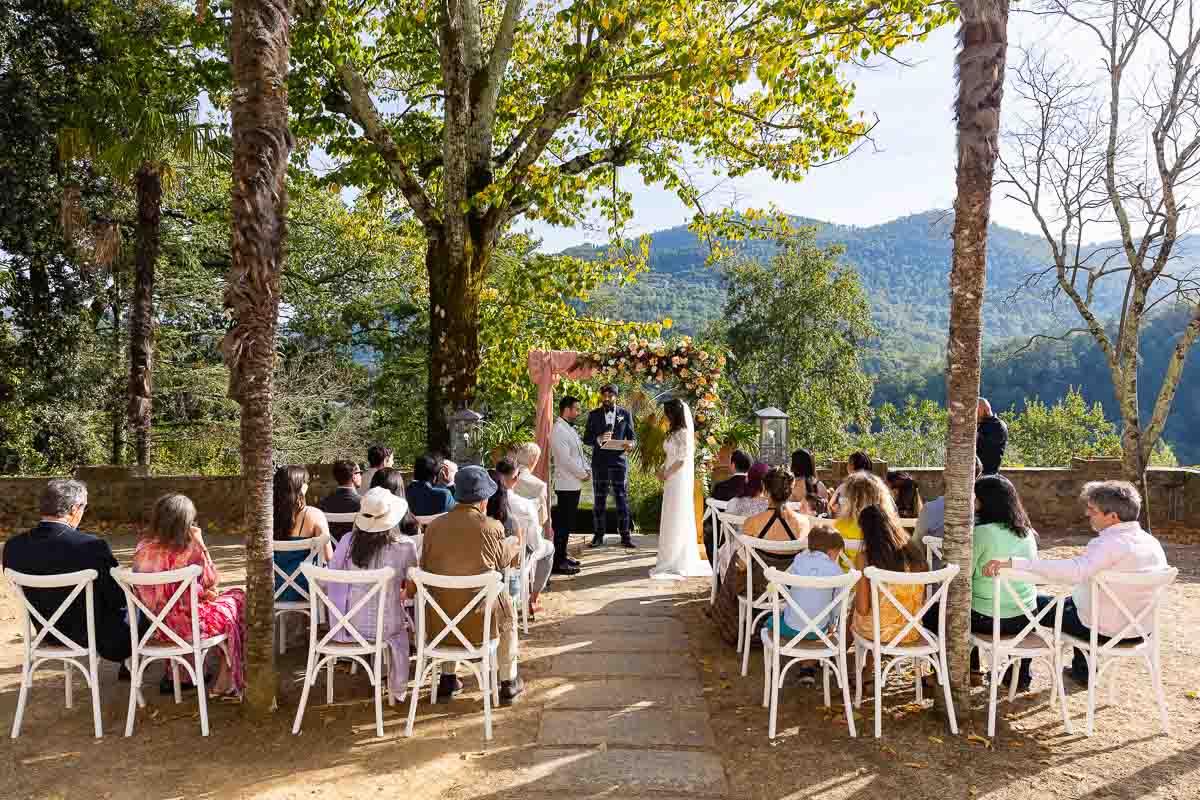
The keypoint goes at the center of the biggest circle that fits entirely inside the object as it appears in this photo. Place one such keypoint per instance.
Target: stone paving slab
(579, 772)
(625, 693)
(638, 726)
(663, 606)
(616, 642)
(595, 624)
(634, 665)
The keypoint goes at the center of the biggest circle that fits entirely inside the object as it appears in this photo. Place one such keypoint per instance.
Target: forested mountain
(904, 268)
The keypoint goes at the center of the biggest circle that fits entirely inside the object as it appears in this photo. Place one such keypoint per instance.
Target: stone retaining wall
(121, 501)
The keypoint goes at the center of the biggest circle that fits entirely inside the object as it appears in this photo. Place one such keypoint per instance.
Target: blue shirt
(425, 499)
(812, 564)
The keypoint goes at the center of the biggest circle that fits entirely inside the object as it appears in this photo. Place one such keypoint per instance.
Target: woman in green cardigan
(1002, 531)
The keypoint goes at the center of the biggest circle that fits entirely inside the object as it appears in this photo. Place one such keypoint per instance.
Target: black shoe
(597, 541)
(564, 569)
(167, 686)
(627, 542)
(449, 686)
(123, 674)
(574, 562)
(1076, 676)
(510, 689)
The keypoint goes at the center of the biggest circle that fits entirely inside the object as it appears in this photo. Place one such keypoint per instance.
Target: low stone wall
(119, 500)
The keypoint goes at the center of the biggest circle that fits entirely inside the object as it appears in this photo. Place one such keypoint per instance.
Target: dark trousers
(563, 519)
(982, 625)
(605, 480)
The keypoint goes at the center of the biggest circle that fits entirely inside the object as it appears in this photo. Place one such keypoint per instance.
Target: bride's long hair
(673, 408)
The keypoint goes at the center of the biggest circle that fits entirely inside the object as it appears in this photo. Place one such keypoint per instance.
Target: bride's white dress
(678, 549)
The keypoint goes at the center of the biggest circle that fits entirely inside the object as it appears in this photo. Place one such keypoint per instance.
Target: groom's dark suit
(610, 469)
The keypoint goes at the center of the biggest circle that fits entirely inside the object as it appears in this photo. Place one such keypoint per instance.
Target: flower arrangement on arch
(694, 370)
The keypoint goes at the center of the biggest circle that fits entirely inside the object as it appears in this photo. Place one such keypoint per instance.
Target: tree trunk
(141, 319)
(260, 41)
(455, 285)
(980, 64)
(117, 454)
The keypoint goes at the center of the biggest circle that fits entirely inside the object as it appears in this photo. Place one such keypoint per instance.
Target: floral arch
(681, 362)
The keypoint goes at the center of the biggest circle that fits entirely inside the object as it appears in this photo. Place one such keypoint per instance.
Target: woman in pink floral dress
(174, 542)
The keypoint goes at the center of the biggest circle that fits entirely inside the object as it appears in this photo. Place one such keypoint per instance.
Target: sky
(908, 169)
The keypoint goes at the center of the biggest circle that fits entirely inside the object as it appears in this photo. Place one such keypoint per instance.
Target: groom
(610, 468)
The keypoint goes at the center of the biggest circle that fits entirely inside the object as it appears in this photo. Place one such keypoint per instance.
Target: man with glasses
(345, 498)
(57, 546)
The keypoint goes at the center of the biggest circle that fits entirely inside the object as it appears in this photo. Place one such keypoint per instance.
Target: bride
(678, 549)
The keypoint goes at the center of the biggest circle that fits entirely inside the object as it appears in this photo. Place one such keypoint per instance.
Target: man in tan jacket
(465, 541)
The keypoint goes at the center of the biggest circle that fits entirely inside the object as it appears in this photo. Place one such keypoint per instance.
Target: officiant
(610, 433)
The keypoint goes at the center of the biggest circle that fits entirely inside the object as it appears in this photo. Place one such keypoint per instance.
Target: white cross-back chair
(930, 649)
(44, 642)
(726, 527)
(829, 647)
(316, 556)
(933, 549)
(179, 651)
(526, 573)
(1035, 641)
(751, 609)
(849, 555)
(366, 645)
(908, 523)
(346, 518)
(712, 509)
(1144, 624)
(451, 644)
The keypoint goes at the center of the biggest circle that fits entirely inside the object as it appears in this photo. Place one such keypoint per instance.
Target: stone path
(631, 720)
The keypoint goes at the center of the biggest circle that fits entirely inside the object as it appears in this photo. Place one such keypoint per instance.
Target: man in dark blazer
(726, 490)
(56, 546)
(345, 499)
(610, 468)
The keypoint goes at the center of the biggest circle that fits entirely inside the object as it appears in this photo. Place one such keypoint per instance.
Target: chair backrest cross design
(43, 641)
(488, 586)
(1037, 623)
(1143, 624)
(316, 556)
(187, 583)
(881, 581)
(319, 599)
(781, 581)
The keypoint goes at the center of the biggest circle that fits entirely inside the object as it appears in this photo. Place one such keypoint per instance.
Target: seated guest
(820, 560)
(295, 519)
(524, 457)
(445, 475)
(173, 542)
(808, 489)
(424, 498)
(466, 542)
(519, 517)
(732, 486)
(778, 523)
(753, 497)
(886, 546)
(861, 490)
(55, 547)
(932, 519)
(858, 461)
(393, 481)
(377, 542)
(345, 498)
(1121, 546)
(1002, 530)
(725, 491)
(905, 493)
(378, 457)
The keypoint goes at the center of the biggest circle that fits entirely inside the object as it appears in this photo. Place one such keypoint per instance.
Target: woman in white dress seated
(533, 490)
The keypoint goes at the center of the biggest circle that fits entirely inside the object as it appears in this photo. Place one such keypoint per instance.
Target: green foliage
(796, 327)
(913, 435)
(1049, 435)
(501, 432)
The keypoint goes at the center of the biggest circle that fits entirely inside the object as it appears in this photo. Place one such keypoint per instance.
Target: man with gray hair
(56, 546)
(1121, 546)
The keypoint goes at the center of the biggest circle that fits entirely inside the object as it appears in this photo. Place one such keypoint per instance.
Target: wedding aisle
(629, 718)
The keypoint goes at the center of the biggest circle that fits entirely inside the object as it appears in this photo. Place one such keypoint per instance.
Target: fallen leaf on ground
(935, 740)
(975, 738)
(917, 764)
(1193, 694)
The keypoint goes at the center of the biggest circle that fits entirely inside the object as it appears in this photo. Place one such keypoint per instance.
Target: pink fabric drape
(545, 368)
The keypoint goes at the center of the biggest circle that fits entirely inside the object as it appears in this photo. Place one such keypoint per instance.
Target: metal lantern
(464, 437)
(772, 436)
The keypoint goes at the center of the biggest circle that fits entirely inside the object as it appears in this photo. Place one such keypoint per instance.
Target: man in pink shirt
(1121, 546)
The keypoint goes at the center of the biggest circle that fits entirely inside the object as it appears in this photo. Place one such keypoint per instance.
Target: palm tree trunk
(141, 320)
(983, 39)
(260, 42)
